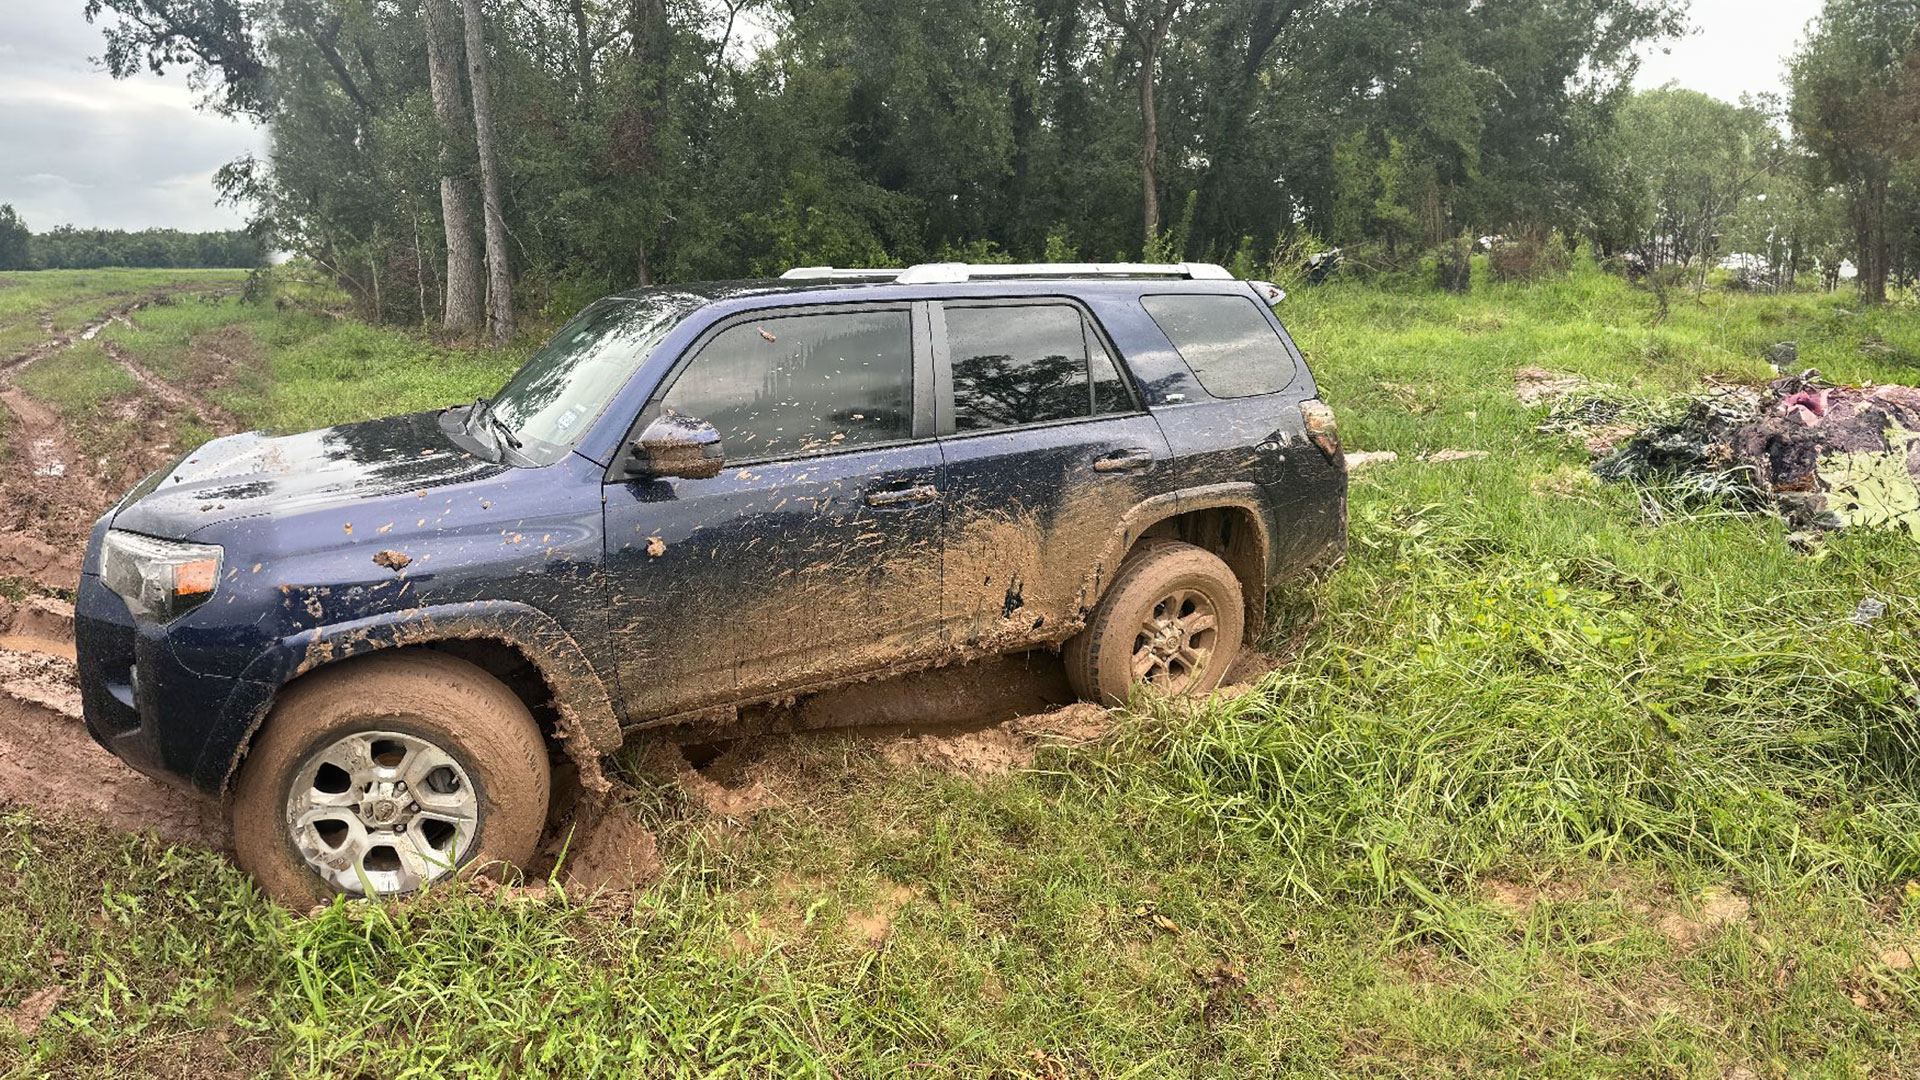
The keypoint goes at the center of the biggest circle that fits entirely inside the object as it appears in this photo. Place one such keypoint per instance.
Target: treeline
(443, 159)
(68, 248)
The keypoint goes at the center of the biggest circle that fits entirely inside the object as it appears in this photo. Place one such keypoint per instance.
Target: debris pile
(1826, 457)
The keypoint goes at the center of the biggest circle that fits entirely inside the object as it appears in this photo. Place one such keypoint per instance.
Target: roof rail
(952, 273)
(840, 273)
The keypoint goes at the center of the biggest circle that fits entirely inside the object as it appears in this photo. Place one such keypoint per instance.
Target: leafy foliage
(654, 140)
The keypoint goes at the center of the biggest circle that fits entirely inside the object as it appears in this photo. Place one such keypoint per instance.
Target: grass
(1553, 788)
(298, 369)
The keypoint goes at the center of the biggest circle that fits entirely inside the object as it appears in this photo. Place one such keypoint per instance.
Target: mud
(981, 720)
(1689, 924)
(47, 506)
(174, 398)
(602, 848)
(52, 491)
(49, 497)
(49, 764)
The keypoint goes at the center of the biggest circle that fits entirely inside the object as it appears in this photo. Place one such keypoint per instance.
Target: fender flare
(1236, 495)
(589, 726)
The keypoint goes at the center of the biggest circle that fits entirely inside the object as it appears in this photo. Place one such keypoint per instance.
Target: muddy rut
(50, 494)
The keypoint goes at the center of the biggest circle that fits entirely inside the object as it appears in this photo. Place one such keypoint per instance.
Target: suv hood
(258, 473)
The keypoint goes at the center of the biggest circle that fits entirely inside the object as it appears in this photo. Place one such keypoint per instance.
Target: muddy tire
(1173, 619)
(385, 773)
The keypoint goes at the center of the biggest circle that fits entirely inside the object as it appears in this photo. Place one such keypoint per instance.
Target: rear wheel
(1172, 621)
(388, 773)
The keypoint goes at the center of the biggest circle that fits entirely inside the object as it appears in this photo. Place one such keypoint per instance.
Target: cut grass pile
(1553, 787)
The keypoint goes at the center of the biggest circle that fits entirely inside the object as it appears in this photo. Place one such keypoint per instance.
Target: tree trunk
(499, 278)
(1149, 148)
(583, 54)
(1870, 238)
(464, 295)
(648, 28)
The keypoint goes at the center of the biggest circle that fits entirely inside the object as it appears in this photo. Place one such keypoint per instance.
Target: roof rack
(952, 273)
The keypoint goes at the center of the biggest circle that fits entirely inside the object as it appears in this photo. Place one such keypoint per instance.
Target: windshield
(552, 400)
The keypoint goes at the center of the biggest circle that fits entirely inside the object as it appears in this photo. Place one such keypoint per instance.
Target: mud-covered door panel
(860, 535)
(1046, 452)
(817, 546)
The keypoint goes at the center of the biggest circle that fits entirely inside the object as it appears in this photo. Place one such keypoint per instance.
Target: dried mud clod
(393, 560)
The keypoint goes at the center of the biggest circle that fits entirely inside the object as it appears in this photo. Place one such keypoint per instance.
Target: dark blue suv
(376, 639)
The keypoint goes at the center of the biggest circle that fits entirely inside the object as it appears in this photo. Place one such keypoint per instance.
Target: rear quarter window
(1227, 341)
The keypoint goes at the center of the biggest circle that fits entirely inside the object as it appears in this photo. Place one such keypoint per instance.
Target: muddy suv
(375, 640)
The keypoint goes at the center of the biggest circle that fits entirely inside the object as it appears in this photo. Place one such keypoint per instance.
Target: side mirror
(684, 447)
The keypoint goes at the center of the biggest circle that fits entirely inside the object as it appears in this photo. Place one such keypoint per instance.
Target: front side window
(1028, 364)
(558, 393)
(803, 384)
(1226, 340)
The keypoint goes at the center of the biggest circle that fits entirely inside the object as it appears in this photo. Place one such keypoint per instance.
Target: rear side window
(1028, 364)
(1226, 340)
(803, 384)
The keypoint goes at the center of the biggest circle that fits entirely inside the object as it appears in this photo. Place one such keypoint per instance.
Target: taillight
(1323, 430)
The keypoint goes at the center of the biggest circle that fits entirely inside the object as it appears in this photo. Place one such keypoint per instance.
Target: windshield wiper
(505, 430)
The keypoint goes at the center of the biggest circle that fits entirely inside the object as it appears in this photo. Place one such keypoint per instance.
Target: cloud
(1739, 46)
(79, 147)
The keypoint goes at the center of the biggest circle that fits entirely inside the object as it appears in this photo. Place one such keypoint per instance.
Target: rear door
(816, 552)
(1046, 450)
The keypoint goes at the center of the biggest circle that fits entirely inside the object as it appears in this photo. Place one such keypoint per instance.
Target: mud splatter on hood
(258, 473)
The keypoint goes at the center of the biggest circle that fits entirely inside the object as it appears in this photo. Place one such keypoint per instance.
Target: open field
(1556, 778)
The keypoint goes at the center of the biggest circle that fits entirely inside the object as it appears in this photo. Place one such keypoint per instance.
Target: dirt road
(50, 494)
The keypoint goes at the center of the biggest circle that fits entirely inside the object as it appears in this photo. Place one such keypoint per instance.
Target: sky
(77, 147)
(1738, 46)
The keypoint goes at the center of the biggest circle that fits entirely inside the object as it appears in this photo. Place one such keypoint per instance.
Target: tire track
(169, 394)
(48, 501)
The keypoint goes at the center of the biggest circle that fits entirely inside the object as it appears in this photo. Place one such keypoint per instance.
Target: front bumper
(141, 703)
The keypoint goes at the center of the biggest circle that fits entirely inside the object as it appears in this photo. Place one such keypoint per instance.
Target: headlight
(159, 579)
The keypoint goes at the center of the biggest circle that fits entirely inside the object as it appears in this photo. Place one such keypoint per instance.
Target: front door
(815, 554)
(1046, 450)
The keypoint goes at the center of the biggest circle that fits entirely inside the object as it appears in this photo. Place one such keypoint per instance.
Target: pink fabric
(1805, 408)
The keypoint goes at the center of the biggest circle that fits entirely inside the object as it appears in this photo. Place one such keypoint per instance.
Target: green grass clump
(77, 380)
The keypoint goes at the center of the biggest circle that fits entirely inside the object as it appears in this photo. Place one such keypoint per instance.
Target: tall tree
(1240, 44)
(646, 114)
(1146, 24)
(1853, 107)
(499, 274)
(1690, 161)
(214, 39)
(463, 289)
(15, 253)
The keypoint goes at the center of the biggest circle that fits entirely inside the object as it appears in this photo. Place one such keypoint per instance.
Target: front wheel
(385, 774)
(1172, 621)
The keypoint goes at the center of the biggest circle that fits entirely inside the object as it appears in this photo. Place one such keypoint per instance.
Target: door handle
(1129, 460)
(918, 493)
